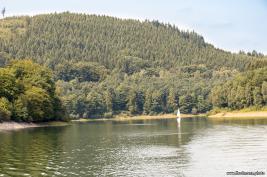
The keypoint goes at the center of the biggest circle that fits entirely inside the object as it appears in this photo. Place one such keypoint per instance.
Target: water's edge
(7, 126)
(251, 114)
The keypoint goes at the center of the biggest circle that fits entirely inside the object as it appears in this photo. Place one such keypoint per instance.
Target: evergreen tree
(173, 101)
(186, 103)
(264, 91)
(257, 97)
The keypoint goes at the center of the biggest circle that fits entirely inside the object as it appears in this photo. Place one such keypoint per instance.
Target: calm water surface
(199, 147)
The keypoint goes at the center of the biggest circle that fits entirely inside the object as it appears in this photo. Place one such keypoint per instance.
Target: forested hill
(57, 38)
(105, 65)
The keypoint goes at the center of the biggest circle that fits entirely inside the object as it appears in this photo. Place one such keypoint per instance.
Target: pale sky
(232, 25)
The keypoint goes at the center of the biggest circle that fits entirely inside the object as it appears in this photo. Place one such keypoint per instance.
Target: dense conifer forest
(103, 66)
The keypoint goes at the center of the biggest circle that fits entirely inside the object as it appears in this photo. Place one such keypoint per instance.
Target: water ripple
(160, 148)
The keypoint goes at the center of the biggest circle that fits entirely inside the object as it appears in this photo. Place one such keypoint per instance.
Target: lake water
(199, 147)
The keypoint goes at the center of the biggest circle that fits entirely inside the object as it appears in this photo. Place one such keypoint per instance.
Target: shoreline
(250, 114)
(7, 126)
(11, 125)
(17, 125)
(140, 117)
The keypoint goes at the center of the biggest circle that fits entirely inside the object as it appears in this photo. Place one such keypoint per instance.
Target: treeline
(245, 90)
(140, 93)
(27, 93)
(104, 66)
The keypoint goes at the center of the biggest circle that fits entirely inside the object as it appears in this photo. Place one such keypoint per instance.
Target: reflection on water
(198, 147)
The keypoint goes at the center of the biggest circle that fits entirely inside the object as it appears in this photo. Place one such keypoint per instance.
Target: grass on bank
(244, 110)
(250, 112)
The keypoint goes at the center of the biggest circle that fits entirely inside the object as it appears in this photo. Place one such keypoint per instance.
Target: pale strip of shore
(140, 117)
(252, 114)
(20, 125)
(17, 126)
(5, 126)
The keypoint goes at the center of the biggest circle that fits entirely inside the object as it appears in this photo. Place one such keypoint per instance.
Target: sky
(231, 25)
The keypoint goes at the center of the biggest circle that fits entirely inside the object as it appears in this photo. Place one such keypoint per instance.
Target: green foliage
(38, 104)
(264, 91)
(4, 59)
(20, 112)
(8, 84)
(28, 93)
(105, 66)
(5, 109)
(202, 105)
(186, 103)
(58, 38)
(132, 65)
(95, 104)
(173, 101)
(83, 71)
(257, 97)
(156, 103)
(245, 90)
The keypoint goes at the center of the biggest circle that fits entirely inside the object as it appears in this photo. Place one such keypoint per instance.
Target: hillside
(105, 65)
(245, 90)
